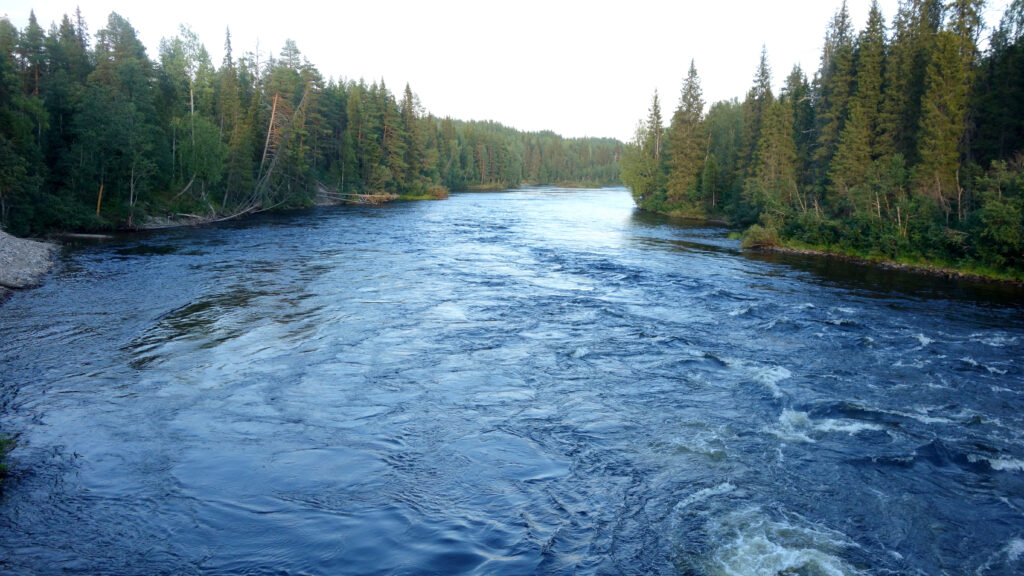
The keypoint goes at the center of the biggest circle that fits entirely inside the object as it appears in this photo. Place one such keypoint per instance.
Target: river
(538, 381)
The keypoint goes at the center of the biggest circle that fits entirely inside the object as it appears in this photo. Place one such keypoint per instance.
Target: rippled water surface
(540, 381)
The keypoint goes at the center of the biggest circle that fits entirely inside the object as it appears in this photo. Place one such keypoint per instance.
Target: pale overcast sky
(580, 68)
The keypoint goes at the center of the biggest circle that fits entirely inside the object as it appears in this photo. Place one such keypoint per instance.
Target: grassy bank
(760, 239)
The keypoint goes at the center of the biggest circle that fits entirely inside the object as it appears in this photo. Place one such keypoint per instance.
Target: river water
(540, 381)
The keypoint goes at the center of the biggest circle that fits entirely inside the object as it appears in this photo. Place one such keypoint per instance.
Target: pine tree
(858, 146)
(914, 29)
(835, 84)
(965, 22)
(755, 106)
(415, 142)
(686, 145)
(19, 183)
(773, 187)
(30, 48)
(998, 104)
(391, 174)
(720, 183)
(117, 129)
(642, 158)
(797, 92)
(943, 124)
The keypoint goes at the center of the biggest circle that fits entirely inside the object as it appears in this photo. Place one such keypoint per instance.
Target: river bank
(759, 239)
(916, 268)
(23, 263)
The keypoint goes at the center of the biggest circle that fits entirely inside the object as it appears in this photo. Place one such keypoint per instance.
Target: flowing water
(540, 381)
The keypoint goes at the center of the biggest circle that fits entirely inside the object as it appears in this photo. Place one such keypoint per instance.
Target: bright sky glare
(579, 68)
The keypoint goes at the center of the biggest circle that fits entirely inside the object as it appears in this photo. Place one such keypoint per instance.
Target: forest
(94, 134)
(906, 145)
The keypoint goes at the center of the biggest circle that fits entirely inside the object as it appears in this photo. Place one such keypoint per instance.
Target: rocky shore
(23, 263)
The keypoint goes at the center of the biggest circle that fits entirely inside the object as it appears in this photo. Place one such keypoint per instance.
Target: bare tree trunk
(99, 200)
(270, 130)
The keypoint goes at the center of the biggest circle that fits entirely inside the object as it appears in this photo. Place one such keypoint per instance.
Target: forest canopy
(906, 144)
(97, 133)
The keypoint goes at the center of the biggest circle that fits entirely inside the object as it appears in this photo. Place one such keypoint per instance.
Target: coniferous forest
(907, 144)
(94, 134)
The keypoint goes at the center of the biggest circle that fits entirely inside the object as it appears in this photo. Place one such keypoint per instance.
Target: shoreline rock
(23, 263)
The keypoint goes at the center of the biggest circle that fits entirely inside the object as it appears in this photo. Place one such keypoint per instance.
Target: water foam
(742, 310)
(1015, 549)
(999, 464)
(1013, 552)
(994, 340)
(754, 544)
(975, 364)
(770, 378)
(924, 340)
(704, 494)
(796, 426)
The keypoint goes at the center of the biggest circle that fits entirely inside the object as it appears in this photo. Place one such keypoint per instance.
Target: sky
(579, 68)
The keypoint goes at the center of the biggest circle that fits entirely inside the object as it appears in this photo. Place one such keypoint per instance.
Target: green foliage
(685, 157)
(642, 162)
(1000, 220)
(102, 136)
(758, 236)
(881, 156)
(943, 124)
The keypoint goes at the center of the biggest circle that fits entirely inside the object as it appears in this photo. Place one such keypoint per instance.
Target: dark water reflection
(534, 382)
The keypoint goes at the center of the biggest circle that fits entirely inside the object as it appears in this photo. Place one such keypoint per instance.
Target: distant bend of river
(539, 381)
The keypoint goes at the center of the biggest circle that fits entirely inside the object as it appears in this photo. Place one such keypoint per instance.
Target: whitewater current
(539, 381)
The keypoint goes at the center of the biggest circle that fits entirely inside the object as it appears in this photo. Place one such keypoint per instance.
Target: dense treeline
(908, 144)
(94, 134)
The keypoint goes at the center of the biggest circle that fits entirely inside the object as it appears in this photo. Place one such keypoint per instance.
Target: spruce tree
(914, 29)
(834, 87)
(943, 124)
(686, 145)
(759, 99)
(117, 129)
(797, 92)
(773, 187)
(642, 160)
(858, 146)
(997, 100)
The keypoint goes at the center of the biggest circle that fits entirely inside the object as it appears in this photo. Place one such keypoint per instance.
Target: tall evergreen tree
(858, 146)
(773, 187)
(117, 129)
(686, 145)
(943, 125)
(914, 29)
(642, 160)
(720, 184)
(834, 87)
(998, 105)
(797, 92)
(755, 106)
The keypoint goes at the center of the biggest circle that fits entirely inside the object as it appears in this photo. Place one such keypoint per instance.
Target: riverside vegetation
(907, 145)
(94, 134)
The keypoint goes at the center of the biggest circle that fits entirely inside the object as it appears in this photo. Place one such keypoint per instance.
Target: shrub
(437, 192)
(758, 236)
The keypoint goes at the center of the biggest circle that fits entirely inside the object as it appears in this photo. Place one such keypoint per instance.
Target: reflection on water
(540, 381)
